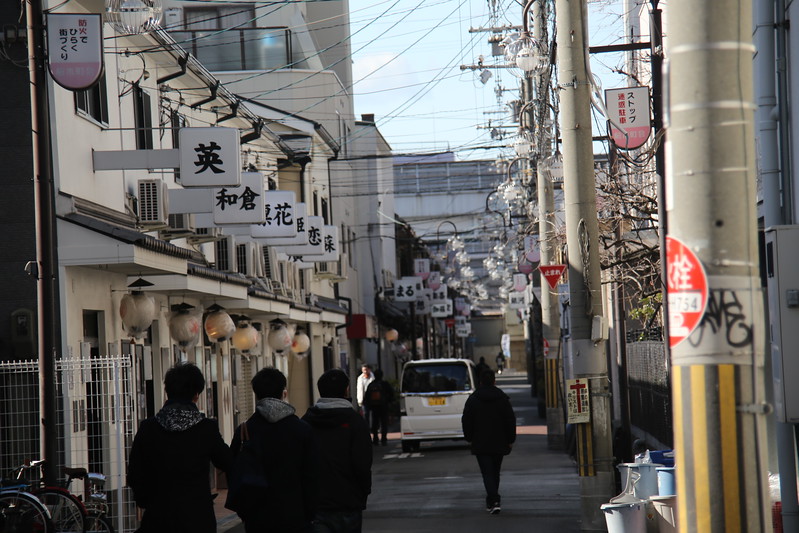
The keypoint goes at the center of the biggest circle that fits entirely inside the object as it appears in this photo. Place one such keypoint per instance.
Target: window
(93, 102)
(143, 117)
(444, 377)
(177, 121)
(324, 210)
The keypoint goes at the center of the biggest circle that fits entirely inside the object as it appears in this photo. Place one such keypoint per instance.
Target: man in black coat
(489, 424)
(171, 457)
(345, 470)
(288, 504)
(378, 398)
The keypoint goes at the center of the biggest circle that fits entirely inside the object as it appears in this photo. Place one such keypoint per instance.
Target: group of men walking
(287, 474)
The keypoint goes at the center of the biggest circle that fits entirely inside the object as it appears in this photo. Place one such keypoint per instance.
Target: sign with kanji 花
(434, 280)
(279, 215)
(210, 157)
(552, 273)
(687, 290)
(315, 232)
(628, 108)
(406, 288)
(421, 268)
(75, 49)
(242, 204)
(441, 309)
(577, 401)
(300, 237)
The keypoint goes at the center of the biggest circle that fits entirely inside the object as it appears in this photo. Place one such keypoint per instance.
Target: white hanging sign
(210, 157)
(519, 282)
(75, 49)
(301, 236)
(421, 268)
(441, 309)
(434, 280)
(440, 295)
(406, 288)
(314, 229)
(516, 300)
(242, 204)
(279, 216)
(628, 109)
(330, 247)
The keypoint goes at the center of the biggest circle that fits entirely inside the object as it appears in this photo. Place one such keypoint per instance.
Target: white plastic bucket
(647, 485)
(625, 517)
(665, 513)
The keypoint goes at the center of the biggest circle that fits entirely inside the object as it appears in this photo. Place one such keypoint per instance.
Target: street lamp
(132, 17)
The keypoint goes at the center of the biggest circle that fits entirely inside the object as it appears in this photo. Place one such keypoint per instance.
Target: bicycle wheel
(66, 511)
(23, 513)
(97, 523)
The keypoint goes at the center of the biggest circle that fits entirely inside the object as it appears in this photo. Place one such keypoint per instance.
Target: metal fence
(96, 422)
(649, 390)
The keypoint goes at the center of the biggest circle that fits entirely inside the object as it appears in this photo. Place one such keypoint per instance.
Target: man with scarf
(287, 443)
(171, 456)
(345, 469)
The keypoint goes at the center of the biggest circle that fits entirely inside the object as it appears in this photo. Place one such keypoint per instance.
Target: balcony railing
(238, 49)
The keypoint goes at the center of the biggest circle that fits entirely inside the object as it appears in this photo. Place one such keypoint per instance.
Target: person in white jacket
(363, 381)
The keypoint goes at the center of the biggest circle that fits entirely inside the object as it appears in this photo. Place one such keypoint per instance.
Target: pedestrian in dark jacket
(291, 469)
(379, 395)
(345, 470)
(171, 457)
(489, 424)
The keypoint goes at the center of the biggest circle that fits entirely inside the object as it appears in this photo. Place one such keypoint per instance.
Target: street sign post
(552, 273)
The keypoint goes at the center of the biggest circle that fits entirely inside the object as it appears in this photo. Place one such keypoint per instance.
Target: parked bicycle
(20, 510)
(67, 512)
(96, 501)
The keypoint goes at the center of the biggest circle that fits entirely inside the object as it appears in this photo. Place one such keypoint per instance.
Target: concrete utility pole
(550, 315)
(717, 371)
(594, 442)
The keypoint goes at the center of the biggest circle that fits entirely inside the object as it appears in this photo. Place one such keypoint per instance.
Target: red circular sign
(687, 289)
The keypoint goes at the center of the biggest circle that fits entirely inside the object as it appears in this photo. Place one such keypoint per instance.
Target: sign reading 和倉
(75, 49)
(629, 109)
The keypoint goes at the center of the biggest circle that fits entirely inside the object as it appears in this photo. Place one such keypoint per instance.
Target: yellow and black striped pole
(715, 303)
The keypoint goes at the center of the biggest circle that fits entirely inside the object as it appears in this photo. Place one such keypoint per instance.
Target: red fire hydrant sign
(687, 289)
(577, 402)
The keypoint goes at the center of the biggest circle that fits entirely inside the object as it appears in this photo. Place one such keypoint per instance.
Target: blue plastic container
(664, 457)
(666, 485)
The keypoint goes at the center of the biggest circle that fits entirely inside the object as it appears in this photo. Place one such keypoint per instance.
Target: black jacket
(345, 450)
(169, 470)
(489, 422)
(289, 503)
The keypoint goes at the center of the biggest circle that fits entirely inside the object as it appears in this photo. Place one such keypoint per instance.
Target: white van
(433, 393)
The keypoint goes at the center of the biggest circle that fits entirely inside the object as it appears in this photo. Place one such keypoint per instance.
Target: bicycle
(96, 503)
(67, 512)
(21, 511)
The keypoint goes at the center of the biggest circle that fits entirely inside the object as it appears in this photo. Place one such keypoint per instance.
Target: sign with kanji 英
(687, 290)
(628, 108)
(421, 268)
(75, 49)
(278, 214)
(243, 204)
(406, 288)
(577, 401)
(552, 273)
(210, 157)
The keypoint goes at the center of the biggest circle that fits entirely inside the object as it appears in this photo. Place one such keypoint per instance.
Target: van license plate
(437, 400)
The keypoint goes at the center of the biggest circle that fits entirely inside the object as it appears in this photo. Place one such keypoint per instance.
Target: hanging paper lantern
(301, 343)
(218, 324)
(245, 338)
(184, 326)
(137, 311)
(392, 335)
(279, 338)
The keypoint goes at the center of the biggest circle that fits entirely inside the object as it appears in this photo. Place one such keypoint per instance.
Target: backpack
(375, 395)
(247, 477)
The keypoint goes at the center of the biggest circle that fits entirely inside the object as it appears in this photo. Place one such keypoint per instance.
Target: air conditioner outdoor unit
(201, 235)
(153, 203)
(180, 225)
(225, 252)
(249, 259)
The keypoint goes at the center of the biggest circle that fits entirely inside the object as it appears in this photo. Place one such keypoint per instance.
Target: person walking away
(345, 456)
(379, 395)
(489, 425)
(171, 457)
(290, 454)
(481, 367)
(500, 362)
(363, 381)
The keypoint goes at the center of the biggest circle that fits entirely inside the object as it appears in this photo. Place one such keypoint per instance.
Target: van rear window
(445, 377)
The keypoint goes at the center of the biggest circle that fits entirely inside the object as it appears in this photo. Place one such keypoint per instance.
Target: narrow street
(440, 489)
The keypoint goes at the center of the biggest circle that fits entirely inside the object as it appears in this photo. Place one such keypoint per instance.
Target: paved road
(439, 489)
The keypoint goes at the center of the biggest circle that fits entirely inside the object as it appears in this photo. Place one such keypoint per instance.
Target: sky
(406, 64)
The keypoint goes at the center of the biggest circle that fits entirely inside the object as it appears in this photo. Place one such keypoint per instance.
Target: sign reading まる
(75, 49)
(687, 290)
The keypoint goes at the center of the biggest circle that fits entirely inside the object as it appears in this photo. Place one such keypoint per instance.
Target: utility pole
(550, 316)
(594, 440)
(717, 370)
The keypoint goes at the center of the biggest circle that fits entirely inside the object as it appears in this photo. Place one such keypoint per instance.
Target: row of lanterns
(138, 310)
